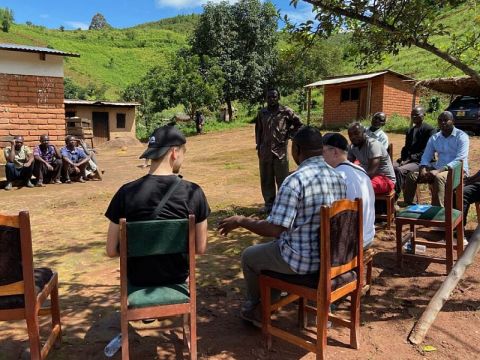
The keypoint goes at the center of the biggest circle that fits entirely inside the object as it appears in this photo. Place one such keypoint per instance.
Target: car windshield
(465, 101)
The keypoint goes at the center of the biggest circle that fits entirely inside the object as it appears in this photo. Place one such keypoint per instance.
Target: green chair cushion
(436, 213)
(162, 295)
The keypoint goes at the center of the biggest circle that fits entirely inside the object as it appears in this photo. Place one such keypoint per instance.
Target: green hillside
(118, 57)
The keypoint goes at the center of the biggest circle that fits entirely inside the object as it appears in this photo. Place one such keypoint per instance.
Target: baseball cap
(162, 139)
(336, 140)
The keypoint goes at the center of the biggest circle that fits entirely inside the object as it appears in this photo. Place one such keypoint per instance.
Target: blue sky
(119, 13)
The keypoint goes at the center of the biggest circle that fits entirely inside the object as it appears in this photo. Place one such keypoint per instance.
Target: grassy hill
(118, 57)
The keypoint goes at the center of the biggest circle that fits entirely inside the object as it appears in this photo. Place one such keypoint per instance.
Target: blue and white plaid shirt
(297, 208)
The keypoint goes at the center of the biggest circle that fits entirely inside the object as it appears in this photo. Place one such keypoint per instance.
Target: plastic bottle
(113, 346)
(420, 248)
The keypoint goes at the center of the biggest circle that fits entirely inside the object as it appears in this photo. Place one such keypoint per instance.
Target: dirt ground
(69, 232)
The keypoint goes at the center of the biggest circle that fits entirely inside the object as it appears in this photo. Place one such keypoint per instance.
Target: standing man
(451, 145)
(294, 220)
(415, 142)
(139, 200)
(379, 119)
(19, 164)
(373, 158)
(48, 162)
(199, 121)
(335, 150)
(275, 124)
(75, 160)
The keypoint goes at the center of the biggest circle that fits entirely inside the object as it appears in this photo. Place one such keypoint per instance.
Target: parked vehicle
(466, 110)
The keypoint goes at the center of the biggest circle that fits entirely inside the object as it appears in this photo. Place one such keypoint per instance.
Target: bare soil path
(69, 232)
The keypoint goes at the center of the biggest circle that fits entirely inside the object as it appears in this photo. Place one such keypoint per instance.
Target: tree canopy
(6, 18)
(99, 22)
(381, 26)
(242, 38)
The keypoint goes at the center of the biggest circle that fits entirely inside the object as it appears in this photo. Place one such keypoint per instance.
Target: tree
(98, 22)
(384, 26)
(242, 39)
(6, 18)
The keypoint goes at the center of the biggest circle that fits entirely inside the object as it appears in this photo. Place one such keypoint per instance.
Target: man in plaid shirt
(294, 221)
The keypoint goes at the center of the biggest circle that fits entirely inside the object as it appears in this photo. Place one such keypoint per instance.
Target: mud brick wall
(31, 106)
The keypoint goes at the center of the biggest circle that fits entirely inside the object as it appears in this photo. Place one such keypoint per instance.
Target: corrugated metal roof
(98, 103)
(35, 49)
(354, 77)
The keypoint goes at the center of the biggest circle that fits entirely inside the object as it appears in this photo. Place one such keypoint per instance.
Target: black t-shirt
(136, 201)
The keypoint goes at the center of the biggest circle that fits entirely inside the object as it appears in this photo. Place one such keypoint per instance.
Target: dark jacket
(415, 145)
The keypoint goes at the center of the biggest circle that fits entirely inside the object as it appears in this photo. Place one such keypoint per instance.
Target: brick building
(31, 93)
(355, 97)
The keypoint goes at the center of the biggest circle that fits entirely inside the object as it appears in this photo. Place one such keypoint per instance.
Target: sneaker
(252, 316)
(57, 181)
(81, 179)
(8, 186)
(39, 184)
(29, 184)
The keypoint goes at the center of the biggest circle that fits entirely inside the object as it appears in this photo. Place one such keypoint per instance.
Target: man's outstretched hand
(229, 224)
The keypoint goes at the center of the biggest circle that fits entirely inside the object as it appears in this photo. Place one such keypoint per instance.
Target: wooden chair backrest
(341, 240)
(23, 238)
(453, 186)
(390, 151)
(144, 238)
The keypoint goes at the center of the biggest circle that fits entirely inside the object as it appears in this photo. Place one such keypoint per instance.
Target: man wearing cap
(19, 164)
(294, 221)
(138, 200)
(335, 150)
(274, 125)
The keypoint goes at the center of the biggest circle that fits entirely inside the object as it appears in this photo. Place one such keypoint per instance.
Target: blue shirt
(75, 155)
(297, 208)
(449, 149)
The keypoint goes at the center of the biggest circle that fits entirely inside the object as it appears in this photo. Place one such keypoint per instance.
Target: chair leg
(302, 315)
(34, 337)
(322, 320)
(266, 299)
(193, 336)
(398, 235)
(449, 242)
(460, 236)
(355, 319)
(389, 212)
(369, 276)
(55, 306)
(477, 208)
(124, 328)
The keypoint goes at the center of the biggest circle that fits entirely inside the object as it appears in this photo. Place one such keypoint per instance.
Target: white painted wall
(27, 63)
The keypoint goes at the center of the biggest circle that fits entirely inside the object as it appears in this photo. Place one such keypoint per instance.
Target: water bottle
(113, 346)
(408, 247)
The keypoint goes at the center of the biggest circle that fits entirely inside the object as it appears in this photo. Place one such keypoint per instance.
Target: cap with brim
(335, 140)
(162, 140)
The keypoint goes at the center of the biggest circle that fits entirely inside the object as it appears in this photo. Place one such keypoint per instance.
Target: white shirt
(378, 135)
(359, 185)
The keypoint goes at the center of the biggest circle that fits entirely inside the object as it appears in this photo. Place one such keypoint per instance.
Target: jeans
(23, 173)
(471, 194)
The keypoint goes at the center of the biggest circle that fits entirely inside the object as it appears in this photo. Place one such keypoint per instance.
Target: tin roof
(98, 103)
(35, 49)
(354, 77)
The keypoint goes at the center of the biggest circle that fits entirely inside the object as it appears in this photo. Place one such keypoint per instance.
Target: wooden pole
(420, 329)
(369, 97)
(309, 104)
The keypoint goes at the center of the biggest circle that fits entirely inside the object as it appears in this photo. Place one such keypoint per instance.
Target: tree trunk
(420, 329)
(229, 110)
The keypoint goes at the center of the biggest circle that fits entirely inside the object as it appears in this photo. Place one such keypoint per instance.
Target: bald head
(445, 123)
(417, 115)
(378, 120)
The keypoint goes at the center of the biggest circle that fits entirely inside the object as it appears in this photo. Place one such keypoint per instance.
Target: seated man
(48, 162)
(375, 131)
(373, 158)
(74, 161)
(471, 193)
(139, 200)
(335, 149)
(19, 164)
(294, 220)
(92, 171)
(450, 144)
(415, 142)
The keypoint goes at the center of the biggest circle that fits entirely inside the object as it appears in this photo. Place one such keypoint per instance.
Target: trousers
(272, 172)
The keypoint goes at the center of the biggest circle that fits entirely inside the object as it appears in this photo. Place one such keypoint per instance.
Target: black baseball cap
(162, 140)
(336, 140)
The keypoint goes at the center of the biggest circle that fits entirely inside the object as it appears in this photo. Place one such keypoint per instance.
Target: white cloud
(44, 16)
(184, 4)
(76, 25)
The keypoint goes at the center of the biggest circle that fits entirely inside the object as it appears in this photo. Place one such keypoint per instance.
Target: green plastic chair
(156, 237)
(436, 216)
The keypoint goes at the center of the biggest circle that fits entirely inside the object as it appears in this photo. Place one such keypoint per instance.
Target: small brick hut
(354, 97)
(31, 93)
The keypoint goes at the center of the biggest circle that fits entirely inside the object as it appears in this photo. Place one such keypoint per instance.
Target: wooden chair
(477, 207)
(341, 274)
(368, 256)
(23, 289)
(389, 199)
(436, 216)
(148, 238)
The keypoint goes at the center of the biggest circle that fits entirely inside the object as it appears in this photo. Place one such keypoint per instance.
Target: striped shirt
(297, 208)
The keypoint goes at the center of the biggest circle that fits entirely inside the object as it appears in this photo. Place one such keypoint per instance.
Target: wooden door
(101, 132)
(362, 104)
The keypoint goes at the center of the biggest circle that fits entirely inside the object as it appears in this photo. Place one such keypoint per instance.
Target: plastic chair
(341, 274)
(436, 216)
(148, 238)
(23, 289)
